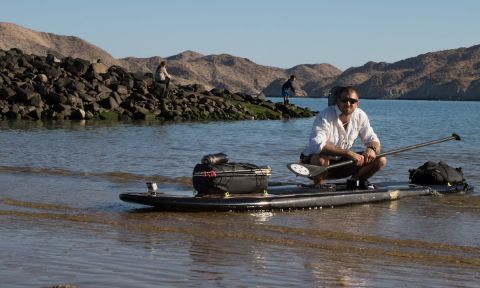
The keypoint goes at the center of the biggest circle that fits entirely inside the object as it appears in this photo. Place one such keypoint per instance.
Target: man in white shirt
(334, 131)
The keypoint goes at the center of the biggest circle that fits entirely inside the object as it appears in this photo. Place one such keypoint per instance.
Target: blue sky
(275, 33)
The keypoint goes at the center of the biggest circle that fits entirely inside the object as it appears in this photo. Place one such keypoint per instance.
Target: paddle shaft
(453, 137)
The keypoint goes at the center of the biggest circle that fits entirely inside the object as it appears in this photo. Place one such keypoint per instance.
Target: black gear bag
(230, 178)
(432, 173)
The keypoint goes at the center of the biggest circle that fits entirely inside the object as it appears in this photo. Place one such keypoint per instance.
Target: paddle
(308, 170)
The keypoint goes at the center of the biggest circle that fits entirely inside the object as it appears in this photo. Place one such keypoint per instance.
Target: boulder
(102, 96)
(217, 91)
(13, 115)
(35, 113)
(237, 97)
(110, 103)
(77, 67)
(36, 100)
(62, 82)
(88, 115)
(92, 107)
(5, 79)
(101, 88)
(262, 97)
(142, 115)
(119, 98)
(42, 78)
(78, 114)
(23, 95)
(41, 88)
(14, 52)
(53, 72)
(268, 104)
(78, 85)
(91, 76)
(52, 59)
(86, 97)
(129, 83)
(120, 89)
(74, 101)
(99, 68)
(56, 98)
(7, 93)
(199, 88)
(60, 108)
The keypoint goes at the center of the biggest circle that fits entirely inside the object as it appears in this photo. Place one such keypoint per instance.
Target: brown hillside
(447, 75)
(40, 43)
(450, 74)
(224, 71)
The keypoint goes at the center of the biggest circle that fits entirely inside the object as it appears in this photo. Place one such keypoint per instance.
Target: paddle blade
(306, 170)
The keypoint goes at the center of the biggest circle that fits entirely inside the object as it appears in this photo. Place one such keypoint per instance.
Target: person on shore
(161, 74)
(334, 131)
(285, 87)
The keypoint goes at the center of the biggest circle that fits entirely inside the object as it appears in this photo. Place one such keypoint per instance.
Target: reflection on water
(61, 220)
(228, 247)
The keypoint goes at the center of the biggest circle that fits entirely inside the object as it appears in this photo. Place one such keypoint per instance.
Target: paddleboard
(287, 196)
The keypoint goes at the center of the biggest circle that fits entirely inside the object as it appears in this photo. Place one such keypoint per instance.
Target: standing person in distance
(286, 86)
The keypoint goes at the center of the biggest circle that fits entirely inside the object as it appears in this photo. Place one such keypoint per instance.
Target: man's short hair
(339, 91)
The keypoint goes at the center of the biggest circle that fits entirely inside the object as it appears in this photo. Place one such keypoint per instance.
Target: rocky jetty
(46, 87)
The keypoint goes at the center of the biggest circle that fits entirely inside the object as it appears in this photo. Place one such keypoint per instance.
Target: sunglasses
(351, 100)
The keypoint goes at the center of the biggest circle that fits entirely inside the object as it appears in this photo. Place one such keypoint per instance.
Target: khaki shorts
(340, 172)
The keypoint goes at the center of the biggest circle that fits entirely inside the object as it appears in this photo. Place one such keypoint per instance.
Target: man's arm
(374, 146)
(291, 87)
(372, 149)
(318, 134)
(164, 70)
(369, 139)
(334, 150)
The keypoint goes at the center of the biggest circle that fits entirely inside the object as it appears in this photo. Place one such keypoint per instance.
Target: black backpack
(432, 173)
(230, 178)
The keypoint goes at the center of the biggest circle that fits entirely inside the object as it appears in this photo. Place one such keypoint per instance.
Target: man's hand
(358, 158)
(369, 155)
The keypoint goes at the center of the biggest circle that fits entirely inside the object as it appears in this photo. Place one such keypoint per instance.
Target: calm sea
(61, 221)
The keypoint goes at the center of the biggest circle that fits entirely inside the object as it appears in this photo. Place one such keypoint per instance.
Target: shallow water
(61, 220)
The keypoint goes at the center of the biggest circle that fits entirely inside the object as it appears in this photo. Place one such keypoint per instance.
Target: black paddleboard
(287, 197)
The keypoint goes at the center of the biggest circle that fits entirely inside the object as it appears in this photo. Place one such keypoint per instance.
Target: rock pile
(37, 87)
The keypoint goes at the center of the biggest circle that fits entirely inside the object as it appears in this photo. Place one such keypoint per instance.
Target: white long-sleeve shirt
(161, 74)
(327, 128)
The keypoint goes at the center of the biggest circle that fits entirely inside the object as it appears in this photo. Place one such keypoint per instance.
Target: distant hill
(309, 76)
(445, 75)
(223, 71)
(448, 75)
(40, 43)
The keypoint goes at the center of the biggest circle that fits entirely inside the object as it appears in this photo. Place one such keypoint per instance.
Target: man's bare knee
(381, 162)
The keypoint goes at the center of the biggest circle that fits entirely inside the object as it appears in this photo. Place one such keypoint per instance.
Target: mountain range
(443, 75)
